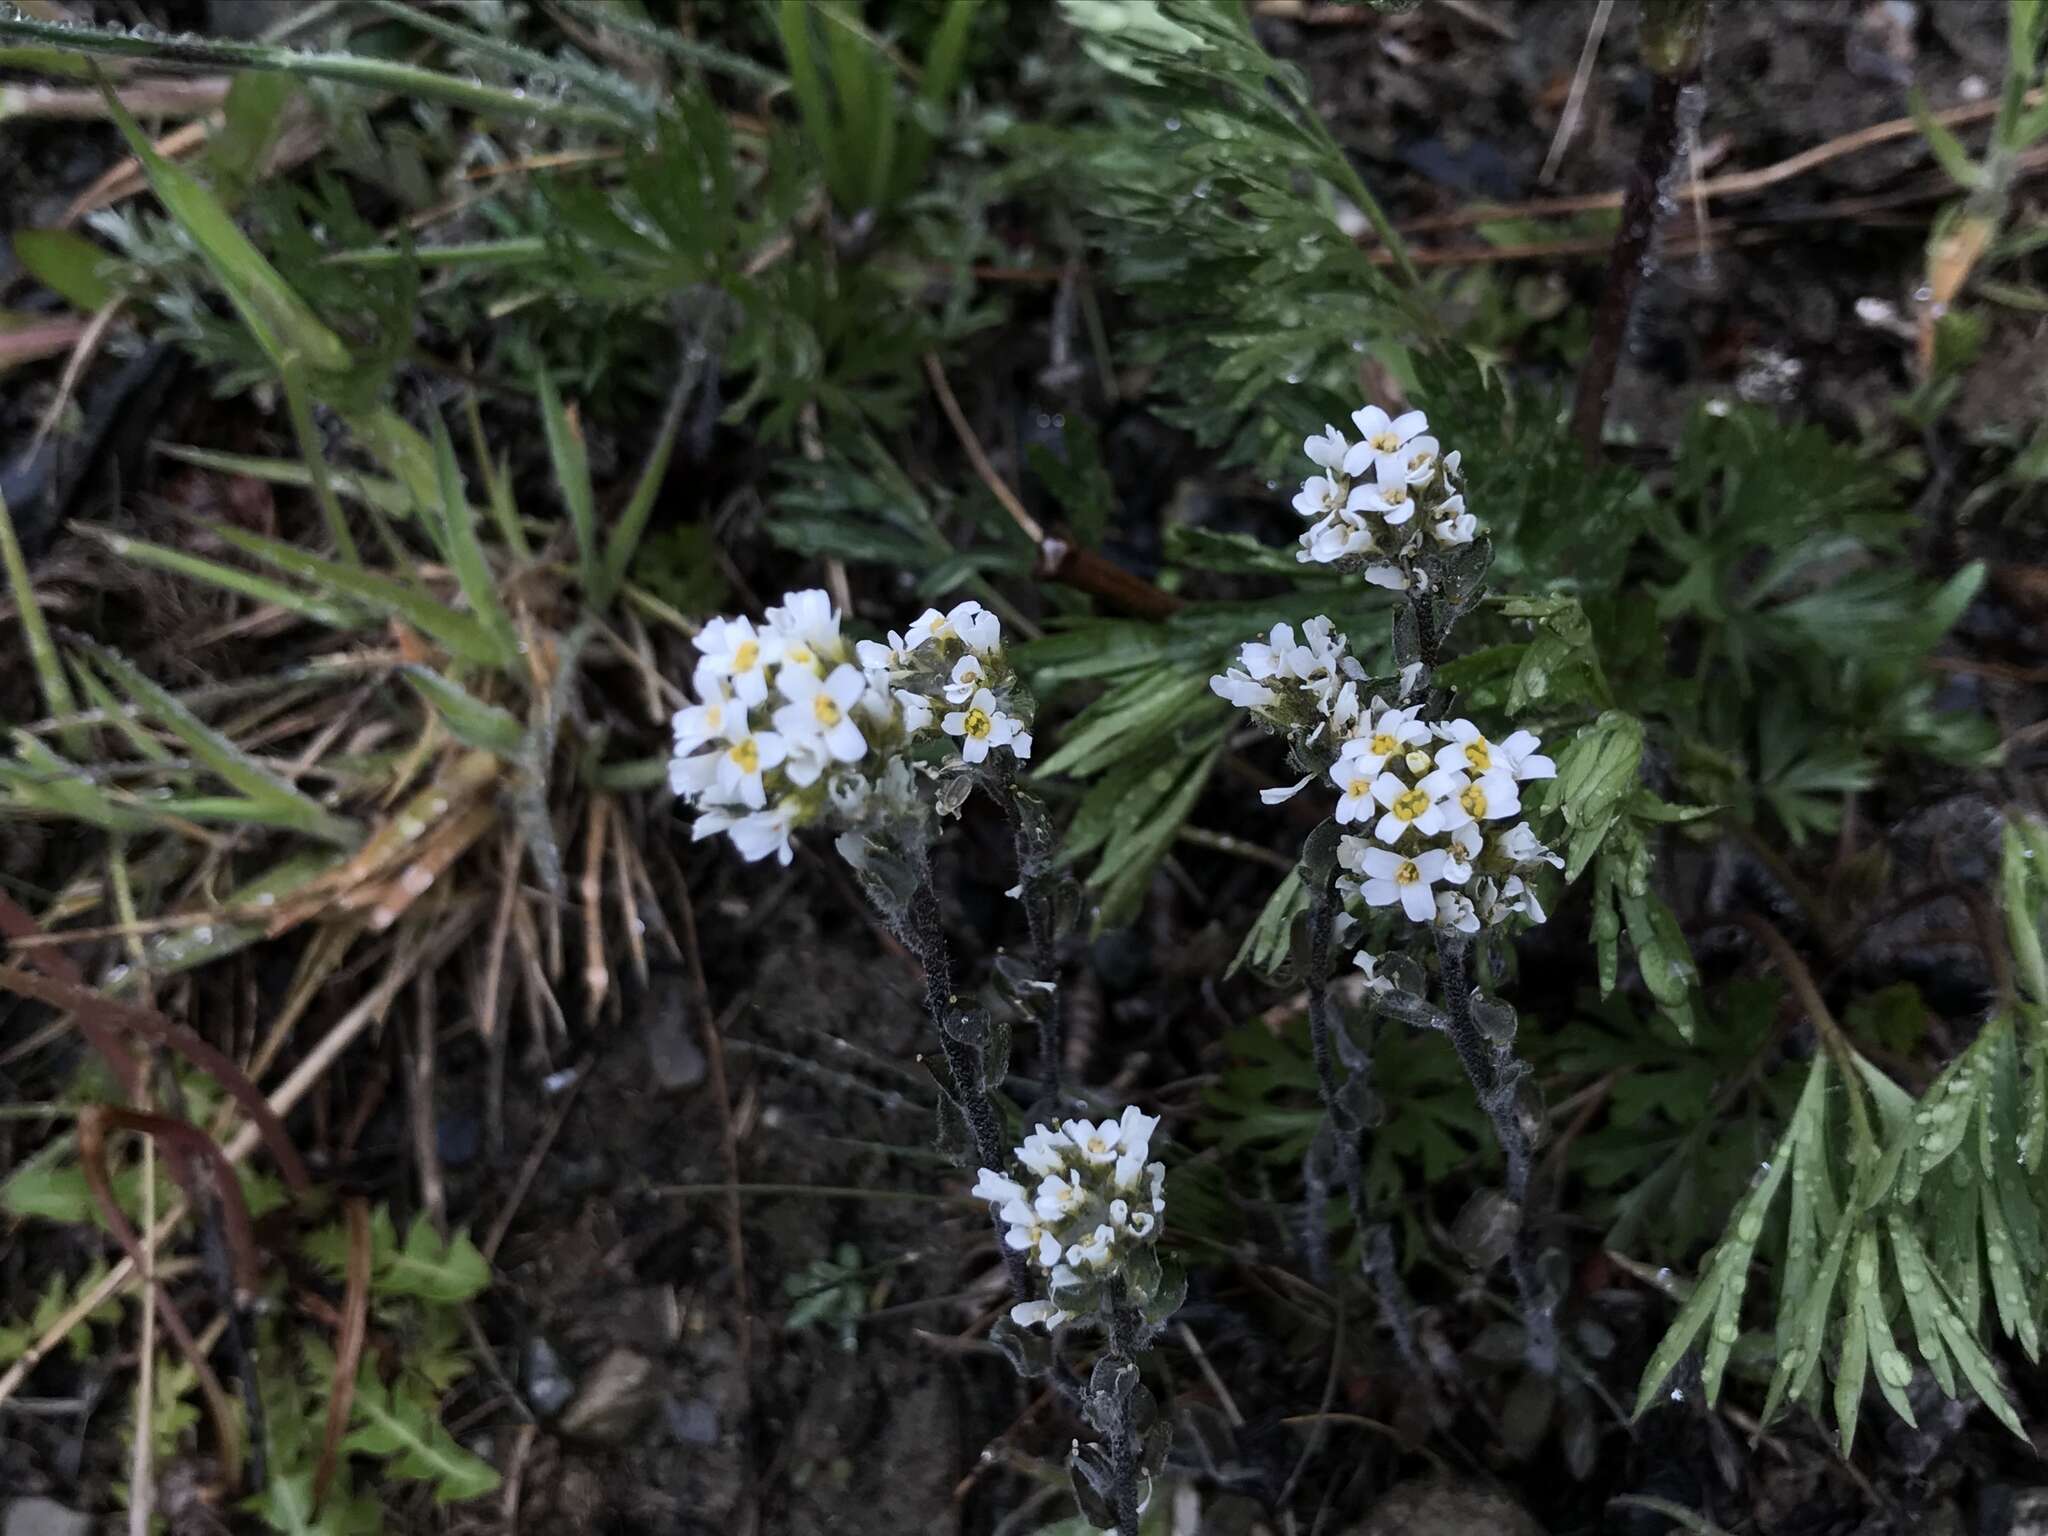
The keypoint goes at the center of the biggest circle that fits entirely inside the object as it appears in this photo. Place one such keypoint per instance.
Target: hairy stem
(1376, 1242)
(923, 932)
(1123, 1450)
(1031, 835)
(1493, 1071)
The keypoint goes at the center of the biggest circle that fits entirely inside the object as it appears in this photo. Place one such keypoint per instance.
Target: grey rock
(672, 1051)
(548, 1386)
(44, 1517)
(692, 1422)
(614, 1400)
(1436, 1508)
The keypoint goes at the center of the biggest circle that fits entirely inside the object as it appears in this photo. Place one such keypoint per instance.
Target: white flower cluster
(1435, 804)
(794, 726)
(1373, 500)
(1097, 1199)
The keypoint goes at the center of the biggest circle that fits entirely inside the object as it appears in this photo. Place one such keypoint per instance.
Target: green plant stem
(1483, 1063)
(343, 68)
(517, 251)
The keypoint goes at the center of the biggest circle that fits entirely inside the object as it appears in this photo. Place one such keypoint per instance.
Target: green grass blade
(572, 477)
(625, 536)
(280, 320)
(405, 80)
(468, 718)
(630, 104)
(614, 17)
(43, 781)
(259, 589)
(466, 555)
(68, 264)
(42, 652)
(387, 496)
(497, 483)
(520, 251)
(122, 717)
(457, 633)
(291, 807)
(821, 127)
(300, 406)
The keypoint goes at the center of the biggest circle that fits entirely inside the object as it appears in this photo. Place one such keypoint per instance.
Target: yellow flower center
(746, 754)
(801, 656)
(1479, 754)
(1383, 744)
(1386, 442)
(1409, 804)
(714, 715)
(1419, 460)
(977, 724)
(1394, 495)
(1405, 873)
(1473, 798)
(826, 709)
(746, 656)
(1358, 789)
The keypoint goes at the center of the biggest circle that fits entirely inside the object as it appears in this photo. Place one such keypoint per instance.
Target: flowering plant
(1426, 827)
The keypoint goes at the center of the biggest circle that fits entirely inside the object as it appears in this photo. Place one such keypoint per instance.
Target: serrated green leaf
(391, 1423)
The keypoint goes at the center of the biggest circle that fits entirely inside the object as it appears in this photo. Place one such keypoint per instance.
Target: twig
(531, 1167)
(1734, 184)
(1568, 121)
(1230, 1411)
(1059, 559)
(1641, 211)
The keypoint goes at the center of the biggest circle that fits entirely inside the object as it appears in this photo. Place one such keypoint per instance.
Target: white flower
(1354, 780)
(1092, 1253)
(1059, 1197)
(1383, 733)
(1519, 846)
(981, 726)
(1455, 911)
(997, 1188)
(1419, 806)
(1381, 437)
(1026, 1313)
(1326, 448)
(1370, 964)
(1492, 796)
(876, 656)
(1044, 1152)
(1391, 878)
(1394, 504)
(1282, 793)
(1521, 897)
(1337, 537)
(1271, 657)
(1452, 524)
(820, 711)
(1020, 746)
(808, 626)
(1524, 761)
(1320, 496)
(968, 622)
(742, 761)
(968, 675)
(1136, 1127)
(736, 653)
(1097, 1142)
(1245, 692)
(1392, 577)
(695, 724)
(917, 710)
(1156, 1172)
(1413, 463)
(763, 833)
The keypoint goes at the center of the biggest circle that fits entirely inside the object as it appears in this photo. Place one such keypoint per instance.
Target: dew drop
(1895, 1368)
